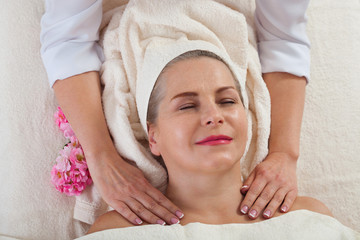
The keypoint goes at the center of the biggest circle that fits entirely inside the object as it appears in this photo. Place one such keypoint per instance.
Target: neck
(212, 198)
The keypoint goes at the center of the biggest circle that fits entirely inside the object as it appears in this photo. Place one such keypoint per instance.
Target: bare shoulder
(109, 220)
(311, 204)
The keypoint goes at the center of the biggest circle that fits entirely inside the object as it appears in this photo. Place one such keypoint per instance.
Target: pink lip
(215, 140)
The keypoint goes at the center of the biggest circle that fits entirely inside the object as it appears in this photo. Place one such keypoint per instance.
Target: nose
(212, 116)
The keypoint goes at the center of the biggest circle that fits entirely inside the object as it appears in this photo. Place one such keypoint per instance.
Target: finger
(289, 201)
(164, 202)
(264, 198)
(255, 189)
(275, 202)
(125, 211)
(247, 183)
(141, 211)
(155, 208)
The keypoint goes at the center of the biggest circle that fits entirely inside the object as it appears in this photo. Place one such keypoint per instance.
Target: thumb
(247, 183)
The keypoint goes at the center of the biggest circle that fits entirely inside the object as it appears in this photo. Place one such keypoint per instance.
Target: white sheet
(300, 224)
(328, 167)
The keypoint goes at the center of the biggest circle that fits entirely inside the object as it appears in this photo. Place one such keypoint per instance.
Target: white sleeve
(282, 41)
(69, 35)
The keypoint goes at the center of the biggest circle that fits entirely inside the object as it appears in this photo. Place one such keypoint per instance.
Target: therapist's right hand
(125, 189)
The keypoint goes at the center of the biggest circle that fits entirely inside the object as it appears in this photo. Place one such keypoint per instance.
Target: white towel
(139, 39)
(300, 224)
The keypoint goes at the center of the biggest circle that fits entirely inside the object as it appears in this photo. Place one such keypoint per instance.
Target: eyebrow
(194, 94)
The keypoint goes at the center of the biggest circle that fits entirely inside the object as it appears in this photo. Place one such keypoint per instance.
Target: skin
(121, 185)
(198, 173)
(125, 188)
(273, 183)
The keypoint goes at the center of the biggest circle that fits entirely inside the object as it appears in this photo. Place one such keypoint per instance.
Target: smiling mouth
(215, 140)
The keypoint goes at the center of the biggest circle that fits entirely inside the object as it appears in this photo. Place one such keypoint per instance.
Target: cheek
(239, 121)
(244, 124)
(174, 134)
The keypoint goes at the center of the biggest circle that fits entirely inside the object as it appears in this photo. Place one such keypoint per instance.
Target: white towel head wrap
(157, 56)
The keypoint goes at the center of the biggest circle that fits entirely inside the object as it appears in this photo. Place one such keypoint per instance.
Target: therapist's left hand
(272, 183)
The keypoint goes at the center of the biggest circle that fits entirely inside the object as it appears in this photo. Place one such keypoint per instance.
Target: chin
(219, 163)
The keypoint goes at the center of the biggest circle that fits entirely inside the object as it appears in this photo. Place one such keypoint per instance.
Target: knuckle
(143, 182)
(139, 209)
(151, 205)
(254, 191)
(265, 196)
(282, 180)
(264, 173)
(160, 198)
(278, 199)
(249, 199)
(123, 210)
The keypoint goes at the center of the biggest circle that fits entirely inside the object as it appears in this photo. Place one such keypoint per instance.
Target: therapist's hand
(120, 184)
(125, 188)
(272, 184)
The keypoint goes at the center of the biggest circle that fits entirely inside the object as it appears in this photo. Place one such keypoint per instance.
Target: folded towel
(139, 39)
(300, 224)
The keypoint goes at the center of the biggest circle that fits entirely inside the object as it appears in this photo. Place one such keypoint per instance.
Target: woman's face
(201, 124)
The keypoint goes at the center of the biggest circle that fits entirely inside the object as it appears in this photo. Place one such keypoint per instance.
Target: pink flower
(77, 159)
(63, 123)
(74, 142)
(63, 164)
(57, 177)
(70, 181)
(73, 189)
(70, 174)
(66, 151)
(67, 130)
(60, 117)
(77, 155)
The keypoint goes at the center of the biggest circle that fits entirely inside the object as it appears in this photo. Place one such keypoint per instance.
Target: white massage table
(328, 168)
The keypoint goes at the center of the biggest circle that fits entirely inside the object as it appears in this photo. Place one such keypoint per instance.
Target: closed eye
(186, 106)
(227, 101)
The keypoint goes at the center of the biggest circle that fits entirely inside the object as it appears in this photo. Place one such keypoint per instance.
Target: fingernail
(267, 213)
(179, 214)
(284, 208)
(245, 209)
(174, 220)
(253, 213)
(161, 222)
(138, 221)
(244, 189)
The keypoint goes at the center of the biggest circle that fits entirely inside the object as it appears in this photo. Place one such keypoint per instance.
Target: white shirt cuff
(71, 58)
(285, 56)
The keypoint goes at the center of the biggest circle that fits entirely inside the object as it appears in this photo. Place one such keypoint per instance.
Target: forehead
(197, 74)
